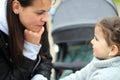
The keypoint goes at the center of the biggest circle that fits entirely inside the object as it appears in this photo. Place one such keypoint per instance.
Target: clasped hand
(33, 37)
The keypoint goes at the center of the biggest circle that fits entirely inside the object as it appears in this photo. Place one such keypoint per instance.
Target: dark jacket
(27, 69)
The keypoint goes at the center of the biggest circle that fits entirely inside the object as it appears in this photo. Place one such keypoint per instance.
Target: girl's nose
(91, 42)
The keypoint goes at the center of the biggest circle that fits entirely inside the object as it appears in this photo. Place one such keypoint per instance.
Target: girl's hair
(16, 31)
(111, 29)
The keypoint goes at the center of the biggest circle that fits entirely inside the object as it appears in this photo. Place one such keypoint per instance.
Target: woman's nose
(45, 17)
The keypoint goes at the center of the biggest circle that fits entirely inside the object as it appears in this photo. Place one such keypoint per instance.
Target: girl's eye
(96, 39)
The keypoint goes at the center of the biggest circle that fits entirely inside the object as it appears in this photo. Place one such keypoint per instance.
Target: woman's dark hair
(16, 31)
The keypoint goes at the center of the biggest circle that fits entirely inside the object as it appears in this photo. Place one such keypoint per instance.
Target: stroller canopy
(74, 20)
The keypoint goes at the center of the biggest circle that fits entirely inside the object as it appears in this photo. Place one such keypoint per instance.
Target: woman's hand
(33, 37)
(39, 77)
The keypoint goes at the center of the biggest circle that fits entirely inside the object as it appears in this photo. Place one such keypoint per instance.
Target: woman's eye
(39, 13)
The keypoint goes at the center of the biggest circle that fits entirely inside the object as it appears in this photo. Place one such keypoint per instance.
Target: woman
(24, 47)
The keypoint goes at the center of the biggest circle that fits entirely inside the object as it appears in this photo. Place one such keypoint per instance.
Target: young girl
(106, 50)
(24, 47)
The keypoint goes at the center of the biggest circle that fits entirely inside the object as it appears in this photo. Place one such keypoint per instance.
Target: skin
(101, 49)
(33, 18)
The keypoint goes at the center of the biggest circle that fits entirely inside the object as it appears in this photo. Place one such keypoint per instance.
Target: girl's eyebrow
(95, 36)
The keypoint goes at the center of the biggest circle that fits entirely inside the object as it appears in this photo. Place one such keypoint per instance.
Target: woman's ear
(114, 51)
(16, 6)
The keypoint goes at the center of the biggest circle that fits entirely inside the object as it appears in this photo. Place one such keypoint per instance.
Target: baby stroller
(73, 28)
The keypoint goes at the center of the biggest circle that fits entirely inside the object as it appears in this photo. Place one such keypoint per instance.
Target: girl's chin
(94, 54)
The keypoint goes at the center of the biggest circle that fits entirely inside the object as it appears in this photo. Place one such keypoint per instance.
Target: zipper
(39, 59)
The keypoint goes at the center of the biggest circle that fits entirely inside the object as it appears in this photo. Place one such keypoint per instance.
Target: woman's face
(101, 49)
(34, 17)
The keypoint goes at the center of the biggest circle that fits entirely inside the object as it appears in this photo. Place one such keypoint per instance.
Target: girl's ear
(114, 51)
(16, 6)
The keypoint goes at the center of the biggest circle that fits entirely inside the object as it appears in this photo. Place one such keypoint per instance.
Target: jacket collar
(3, 40)
(4, 46)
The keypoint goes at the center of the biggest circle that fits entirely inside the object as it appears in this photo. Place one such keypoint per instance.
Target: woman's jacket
(25, 70)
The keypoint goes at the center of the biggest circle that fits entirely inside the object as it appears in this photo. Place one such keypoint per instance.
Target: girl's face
(34, 17)
(101, 49)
